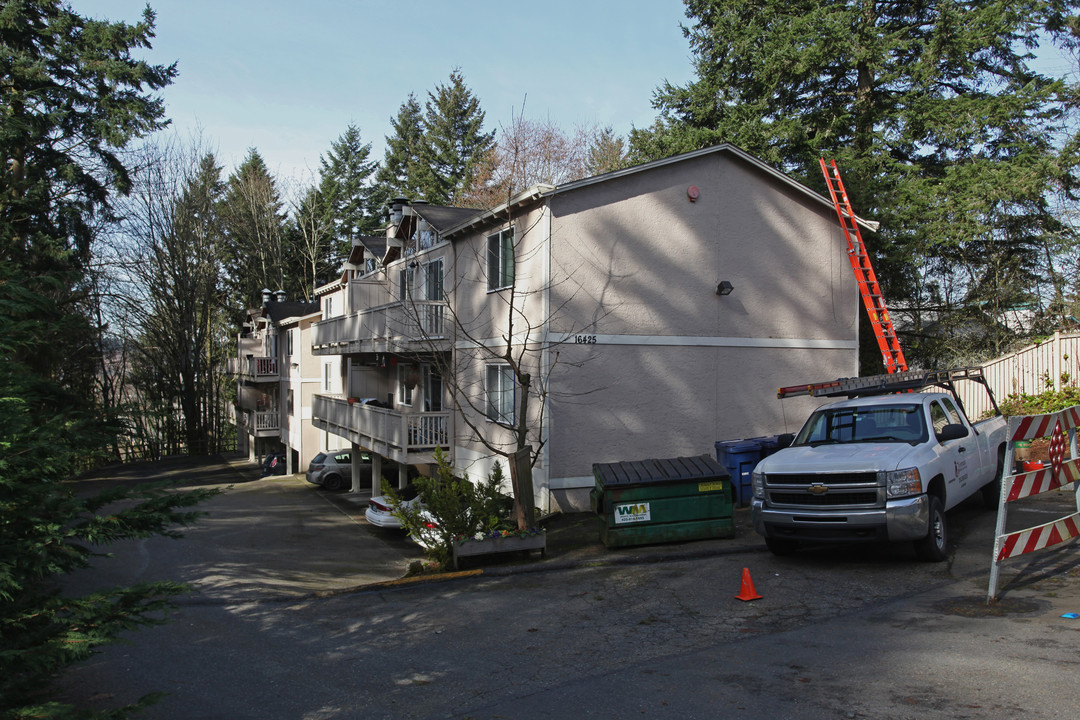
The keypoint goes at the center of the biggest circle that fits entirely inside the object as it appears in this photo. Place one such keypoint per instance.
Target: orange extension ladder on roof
(873, 300)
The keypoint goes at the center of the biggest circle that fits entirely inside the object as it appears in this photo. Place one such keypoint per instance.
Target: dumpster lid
(653, 472)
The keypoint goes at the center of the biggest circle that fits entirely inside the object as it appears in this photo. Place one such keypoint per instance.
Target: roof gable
(540, 192)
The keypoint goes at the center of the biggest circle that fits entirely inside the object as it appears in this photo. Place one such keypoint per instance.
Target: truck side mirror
(952, 431)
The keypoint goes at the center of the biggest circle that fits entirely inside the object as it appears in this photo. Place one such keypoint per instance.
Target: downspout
(545, 353)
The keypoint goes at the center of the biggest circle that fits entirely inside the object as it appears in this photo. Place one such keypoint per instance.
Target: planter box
(512, 543)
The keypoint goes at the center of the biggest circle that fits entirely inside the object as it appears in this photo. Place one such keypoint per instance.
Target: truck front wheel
(935, 546)
(781, 547)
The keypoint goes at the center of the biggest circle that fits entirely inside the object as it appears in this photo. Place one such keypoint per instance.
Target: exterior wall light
(724, 288)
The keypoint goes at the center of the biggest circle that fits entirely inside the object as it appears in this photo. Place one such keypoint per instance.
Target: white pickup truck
(885, 464)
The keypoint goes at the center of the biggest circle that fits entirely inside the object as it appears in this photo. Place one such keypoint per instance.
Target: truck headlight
(901, 483)
(757, 483)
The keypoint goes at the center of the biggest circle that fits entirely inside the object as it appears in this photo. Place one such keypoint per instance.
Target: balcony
(260, 423)
(255, 369)
(414, 325)
(405, 438)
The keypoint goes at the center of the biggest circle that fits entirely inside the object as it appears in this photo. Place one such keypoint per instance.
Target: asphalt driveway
(270, 537)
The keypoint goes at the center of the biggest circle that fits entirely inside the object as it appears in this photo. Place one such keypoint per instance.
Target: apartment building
(648, 312)
(277, 378)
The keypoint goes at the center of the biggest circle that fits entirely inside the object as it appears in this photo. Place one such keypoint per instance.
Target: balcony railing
(382, 328)
(260, 422)
(397, 435)
(259, 369)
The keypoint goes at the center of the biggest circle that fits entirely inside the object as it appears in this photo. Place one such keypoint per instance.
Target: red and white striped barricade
(1064, 468)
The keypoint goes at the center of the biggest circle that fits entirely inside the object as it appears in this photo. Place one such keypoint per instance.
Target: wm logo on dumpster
(632, 513)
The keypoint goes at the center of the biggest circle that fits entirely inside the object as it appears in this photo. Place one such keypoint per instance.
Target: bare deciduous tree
(169, 266)
(509, 328)
(538, 152)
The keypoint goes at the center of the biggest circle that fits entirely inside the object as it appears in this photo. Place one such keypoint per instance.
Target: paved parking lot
(859, 633)
(271, 537)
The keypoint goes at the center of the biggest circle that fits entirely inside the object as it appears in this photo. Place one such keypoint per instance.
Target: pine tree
(72, 99)
(943, 131)
(606, 152)
(398, 175)
(255, 246)
(72, 96)
(345, 187)
(454, 143)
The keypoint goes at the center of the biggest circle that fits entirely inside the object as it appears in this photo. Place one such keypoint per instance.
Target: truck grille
(829, 499)
(862, 478)
(844, 490)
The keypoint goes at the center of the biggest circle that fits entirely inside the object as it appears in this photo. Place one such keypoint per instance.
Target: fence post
(1057, 361)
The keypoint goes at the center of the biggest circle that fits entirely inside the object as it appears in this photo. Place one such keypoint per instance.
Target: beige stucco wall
(486, 319)
(667, 367)
(674, 367)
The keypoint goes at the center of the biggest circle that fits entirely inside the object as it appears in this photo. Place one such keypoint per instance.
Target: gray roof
(442, 217)
(374, 244)
(279, 311)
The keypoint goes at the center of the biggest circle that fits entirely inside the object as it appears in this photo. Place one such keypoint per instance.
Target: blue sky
(288, 76)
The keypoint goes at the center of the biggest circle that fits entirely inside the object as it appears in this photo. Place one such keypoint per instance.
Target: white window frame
(433, 389)
(405, 393)
(500, 260)
(500, 392)
(405, 277)
(434, 290)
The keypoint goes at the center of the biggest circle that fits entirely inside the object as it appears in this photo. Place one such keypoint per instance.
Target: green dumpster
(657, 501)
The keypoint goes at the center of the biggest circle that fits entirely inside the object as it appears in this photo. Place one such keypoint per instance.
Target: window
(500, 394)
(887, 423)
(500, 266)
(289, 402)
(939, 416)
(433, 389)
(405, 278)
(433, 280)
(404, 375)
(425, 235)
(289, 342)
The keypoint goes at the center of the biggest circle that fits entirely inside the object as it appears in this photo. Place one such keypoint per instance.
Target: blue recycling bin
(739, 458)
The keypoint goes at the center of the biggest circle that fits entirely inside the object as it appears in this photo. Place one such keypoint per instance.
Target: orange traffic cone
(747, 591)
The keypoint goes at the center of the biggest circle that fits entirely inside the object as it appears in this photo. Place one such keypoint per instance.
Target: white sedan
(380, 510)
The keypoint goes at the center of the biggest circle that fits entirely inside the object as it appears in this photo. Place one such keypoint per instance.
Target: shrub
(1049, 401)
(452, 508)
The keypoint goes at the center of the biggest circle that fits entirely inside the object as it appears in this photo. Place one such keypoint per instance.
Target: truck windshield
(877, 423)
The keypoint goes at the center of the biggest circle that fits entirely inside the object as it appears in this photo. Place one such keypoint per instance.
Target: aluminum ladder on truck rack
(873, 300)
(884, 384)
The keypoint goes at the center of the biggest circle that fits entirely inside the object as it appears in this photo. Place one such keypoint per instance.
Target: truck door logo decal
(632, 513)
(961, 471)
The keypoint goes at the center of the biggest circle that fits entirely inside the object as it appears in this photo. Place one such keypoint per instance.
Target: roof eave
(538, 192)
(529, 195)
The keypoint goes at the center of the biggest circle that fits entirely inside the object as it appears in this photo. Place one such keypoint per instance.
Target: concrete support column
(355, 468)
(376, 474)
(289, 468)
(403, 476)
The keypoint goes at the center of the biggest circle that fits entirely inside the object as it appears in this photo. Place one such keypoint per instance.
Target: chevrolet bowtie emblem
(818, 488)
